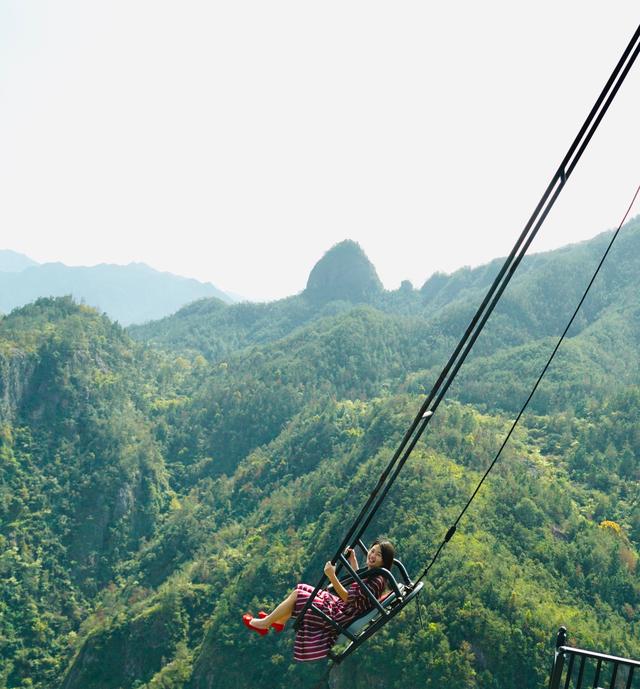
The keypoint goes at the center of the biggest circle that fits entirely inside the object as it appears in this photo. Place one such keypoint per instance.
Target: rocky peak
(343, 273)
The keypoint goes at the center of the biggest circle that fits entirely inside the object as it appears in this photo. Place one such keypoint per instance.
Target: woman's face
(374, 557)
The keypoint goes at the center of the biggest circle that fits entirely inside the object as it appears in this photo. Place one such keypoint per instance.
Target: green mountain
(151, 495)
(129, 294)
(343, 273)
(82, 478)
(418, 333)
(343, 277)
(538, 302)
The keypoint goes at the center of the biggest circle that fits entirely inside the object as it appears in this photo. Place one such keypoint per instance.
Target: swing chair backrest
(392, 582)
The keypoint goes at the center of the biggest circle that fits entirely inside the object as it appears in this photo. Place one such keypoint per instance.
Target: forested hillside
(150, 495)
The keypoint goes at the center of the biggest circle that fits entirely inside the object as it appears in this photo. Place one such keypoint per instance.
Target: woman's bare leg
(281, 614)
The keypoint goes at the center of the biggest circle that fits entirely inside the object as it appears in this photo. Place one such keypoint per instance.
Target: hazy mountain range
(134, 293)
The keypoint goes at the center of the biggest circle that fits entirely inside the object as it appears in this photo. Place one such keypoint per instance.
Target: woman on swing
(315, 636)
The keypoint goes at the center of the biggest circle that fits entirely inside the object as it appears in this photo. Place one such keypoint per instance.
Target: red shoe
(278, 626)
(247, 621)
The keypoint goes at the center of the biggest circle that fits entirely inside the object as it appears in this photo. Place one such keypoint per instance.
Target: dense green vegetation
(150, 496)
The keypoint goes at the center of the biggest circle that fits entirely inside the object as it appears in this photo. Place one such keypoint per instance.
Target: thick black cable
(453, 528)
(500, 283)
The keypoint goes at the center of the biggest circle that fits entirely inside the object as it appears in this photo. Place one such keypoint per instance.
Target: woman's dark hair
(387, 550)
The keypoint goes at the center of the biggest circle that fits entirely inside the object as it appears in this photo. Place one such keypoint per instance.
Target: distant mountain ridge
(344, 279)
(13, 262)
(135, 293)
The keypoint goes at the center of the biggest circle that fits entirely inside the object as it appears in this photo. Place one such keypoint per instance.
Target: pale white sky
(235, 142)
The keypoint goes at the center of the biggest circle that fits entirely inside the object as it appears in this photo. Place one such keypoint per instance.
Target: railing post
(558, 661)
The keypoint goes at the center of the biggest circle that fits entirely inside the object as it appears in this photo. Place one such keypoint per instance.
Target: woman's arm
(353, 560)
(330, 571)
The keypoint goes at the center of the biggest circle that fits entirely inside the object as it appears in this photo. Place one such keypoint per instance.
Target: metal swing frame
(402, 592)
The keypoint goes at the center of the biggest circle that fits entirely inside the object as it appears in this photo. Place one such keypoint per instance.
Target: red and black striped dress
(316, 636)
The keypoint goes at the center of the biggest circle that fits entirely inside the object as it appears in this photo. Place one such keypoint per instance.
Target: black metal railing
(575, 668)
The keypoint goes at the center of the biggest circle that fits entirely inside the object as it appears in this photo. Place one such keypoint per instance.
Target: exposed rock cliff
(343, 273)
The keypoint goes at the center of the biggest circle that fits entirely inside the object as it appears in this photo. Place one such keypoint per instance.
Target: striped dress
(316, 636)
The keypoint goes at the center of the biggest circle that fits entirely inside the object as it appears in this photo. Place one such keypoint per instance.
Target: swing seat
(358, 625)
(369, 622)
